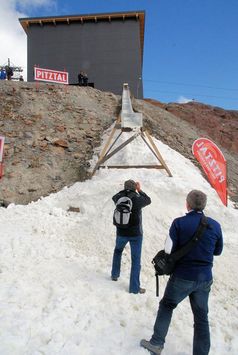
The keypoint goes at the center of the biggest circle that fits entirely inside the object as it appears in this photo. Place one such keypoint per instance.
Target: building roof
(140, 15)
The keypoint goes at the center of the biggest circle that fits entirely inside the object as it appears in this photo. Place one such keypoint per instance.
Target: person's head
(196, 200)
(130, 185)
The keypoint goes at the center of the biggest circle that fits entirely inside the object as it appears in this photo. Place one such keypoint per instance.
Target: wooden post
(158, 153)
(108, 156)
(108, 141)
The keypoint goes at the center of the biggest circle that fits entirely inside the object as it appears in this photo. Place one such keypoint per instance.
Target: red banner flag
(214, 165)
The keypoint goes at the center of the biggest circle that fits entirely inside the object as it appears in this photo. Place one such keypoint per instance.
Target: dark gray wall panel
(109, 52)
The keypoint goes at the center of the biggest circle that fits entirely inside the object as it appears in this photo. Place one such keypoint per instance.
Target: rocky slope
(50, 136)
(51, 132)
(221, 125)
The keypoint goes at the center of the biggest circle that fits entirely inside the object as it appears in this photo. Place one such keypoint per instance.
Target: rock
(77, 155)
(28, 135)
(73, 209)
(60, 128)
(4, 203)
(61, 143)
(28, 122)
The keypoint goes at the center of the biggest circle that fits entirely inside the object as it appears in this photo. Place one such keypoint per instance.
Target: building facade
(108, 47)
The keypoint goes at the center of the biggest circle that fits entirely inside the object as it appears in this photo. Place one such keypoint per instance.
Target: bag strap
(157, 284)
(195, 239)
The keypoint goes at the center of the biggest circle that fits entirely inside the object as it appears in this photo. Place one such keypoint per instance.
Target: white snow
(56, 295)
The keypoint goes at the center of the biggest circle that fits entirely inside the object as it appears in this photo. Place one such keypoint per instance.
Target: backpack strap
(195, 239)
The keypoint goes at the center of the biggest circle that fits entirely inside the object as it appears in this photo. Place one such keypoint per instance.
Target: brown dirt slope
(51, 134)
(221, 125)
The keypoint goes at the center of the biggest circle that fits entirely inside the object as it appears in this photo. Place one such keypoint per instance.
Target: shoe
(141, 291)
(154, 349)
(114, 278)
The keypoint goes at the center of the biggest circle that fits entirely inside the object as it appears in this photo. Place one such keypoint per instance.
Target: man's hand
(138, 188)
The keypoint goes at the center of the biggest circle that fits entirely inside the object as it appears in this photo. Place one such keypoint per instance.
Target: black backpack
(122, 212)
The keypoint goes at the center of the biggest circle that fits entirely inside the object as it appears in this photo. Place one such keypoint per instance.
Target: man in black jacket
(133, 234)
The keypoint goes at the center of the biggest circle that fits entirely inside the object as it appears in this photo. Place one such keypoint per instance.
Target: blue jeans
(176, 290)
(135, 245)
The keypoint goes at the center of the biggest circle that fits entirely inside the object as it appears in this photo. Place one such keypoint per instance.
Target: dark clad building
(108, 47)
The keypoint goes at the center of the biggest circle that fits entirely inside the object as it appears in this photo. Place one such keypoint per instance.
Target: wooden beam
(103, 152)
(132, 166)
(115, 127)
(143, 137)
(158, 154)
(119, 135)
(108, 156)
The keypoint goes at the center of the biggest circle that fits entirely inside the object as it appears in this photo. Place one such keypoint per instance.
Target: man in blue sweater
(133, 234)
(192, 276)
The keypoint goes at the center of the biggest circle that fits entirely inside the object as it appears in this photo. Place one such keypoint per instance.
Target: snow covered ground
(56, 296)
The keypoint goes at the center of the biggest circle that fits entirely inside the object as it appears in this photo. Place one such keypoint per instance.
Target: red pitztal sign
(53, 76)
(214, 165)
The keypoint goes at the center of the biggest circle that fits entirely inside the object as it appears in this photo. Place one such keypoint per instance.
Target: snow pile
(56, 296)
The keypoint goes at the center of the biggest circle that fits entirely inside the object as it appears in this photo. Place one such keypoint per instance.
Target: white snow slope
(56, 295)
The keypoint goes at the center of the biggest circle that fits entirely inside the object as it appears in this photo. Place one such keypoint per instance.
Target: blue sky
(190, 50)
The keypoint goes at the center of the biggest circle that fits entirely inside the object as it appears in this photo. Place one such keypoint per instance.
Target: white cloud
(183, 100)
(12, 36)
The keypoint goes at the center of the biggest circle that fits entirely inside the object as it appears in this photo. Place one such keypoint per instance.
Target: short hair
(196, 200)
(130, 185)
